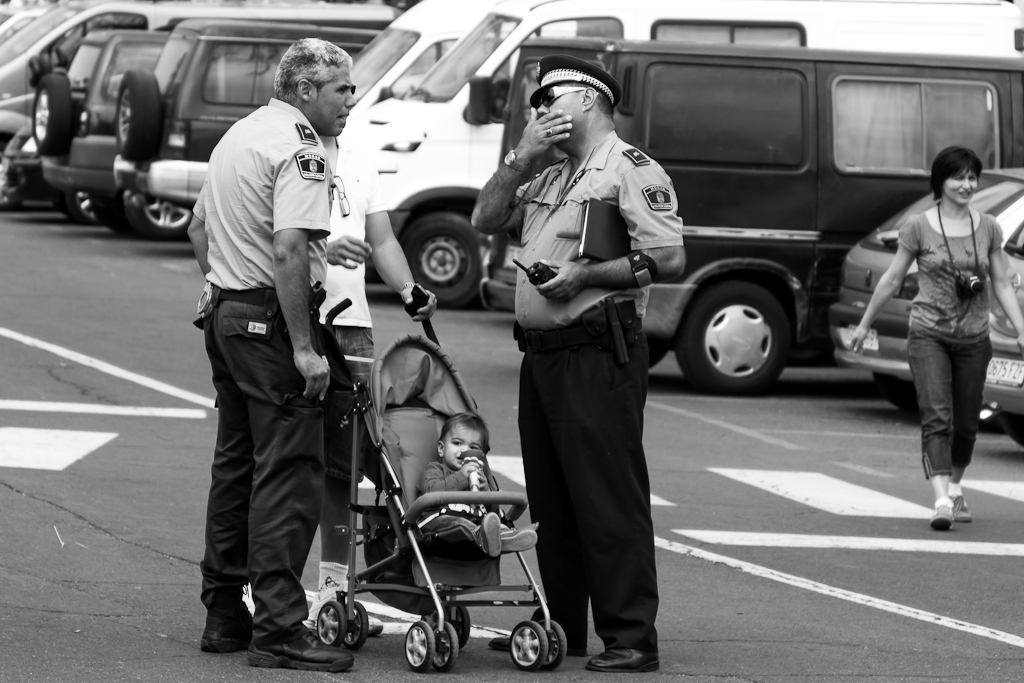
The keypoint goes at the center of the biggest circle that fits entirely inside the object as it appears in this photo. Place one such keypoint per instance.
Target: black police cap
(556, 69)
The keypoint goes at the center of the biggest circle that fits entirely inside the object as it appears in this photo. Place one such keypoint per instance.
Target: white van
(394, 62)
(57, 33)
(434, 154)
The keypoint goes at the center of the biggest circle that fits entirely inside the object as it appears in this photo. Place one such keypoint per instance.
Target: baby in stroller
(462, 466)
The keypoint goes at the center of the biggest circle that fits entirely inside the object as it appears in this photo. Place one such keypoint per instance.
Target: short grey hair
(309, 59)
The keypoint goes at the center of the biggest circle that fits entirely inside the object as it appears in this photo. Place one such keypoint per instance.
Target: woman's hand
(860, 333)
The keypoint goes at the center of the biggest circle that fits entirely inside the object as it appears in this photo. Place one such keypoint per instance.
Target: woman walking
(960, 261)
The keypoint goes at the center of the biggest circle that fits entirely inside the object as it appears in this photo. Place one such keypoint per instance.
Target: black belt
(540, 341)
(253, 297)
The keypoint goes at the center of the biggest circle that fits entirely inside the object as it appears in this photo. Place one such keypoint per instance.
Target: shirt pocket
(569, 218)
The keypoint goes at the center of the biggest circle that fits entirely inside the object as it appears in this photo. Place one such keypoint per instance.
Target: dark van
(210, 74)
(782, 160)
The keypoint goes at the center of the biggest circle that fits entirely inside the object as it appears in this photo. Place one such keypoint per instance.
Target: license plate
(1006, 372)
(511, 252)
(870, 341)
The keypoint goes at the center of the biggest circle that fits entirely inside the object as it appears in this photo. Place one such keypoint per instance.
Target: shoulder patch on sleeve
(636, 156)
(311, 166)
(658, 197)
(306, 134)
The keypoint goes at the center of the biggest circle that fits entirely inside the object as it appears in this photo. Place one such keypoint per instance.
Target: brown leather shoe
(624, 660)
(306, 652)
(228, 623)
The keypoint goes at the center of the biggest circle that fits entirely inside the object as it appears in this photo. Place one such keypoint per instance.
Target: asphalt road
(791, 540)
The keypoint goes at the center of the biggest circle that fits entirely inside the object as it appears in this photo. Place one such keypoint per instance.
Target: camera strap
(974, 241)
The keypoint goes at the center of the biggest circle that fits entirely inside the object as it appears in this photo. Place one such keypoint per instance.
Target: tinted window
(231, 74)
(727, 115)
(116, 20)
(127, 56)
(605, 27)
(899, 126)
(789, 36)
(82, 65)
(270, 57)
(177, 47)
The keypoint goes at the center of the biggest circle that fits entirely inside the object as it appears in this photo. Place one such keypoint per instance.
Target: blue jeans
(950, 378)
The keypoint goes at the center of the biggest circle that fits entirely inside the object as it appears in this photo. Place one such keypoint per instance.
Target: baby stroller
(414, 388)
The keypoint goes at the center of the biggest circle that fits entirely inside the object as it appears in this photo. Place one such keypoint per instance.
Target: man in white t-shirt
(360, 229)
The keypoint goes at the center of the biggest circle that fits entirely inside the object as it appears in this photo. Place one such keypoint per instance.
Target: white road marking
(95, 409)
(907, 545)
(47, 449)
(827, 493)
(102, 366)
(511, 467)
(854, 435)
(1014, 490)
(863, 470)
(753, 434)
(849, 596)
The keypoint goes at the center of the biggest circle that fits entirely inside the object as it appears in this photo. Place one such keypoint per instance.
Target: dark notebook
(605, 233)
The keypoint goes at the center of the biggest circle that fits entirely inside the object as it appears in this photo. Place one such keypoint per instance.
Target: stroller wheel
(447, 650)
(461, 622)
(419, 646)
(528, 646)
(331, 623)
(358, 628)
(556, 647)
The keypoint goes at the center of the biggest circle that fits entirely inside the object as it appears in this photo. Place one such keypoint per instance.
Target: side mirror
(478, 111)
(386, 93)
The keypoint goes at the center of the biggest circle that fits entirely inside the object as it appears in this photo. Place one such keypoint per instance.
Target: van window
(123, 20)
(231, 74)
(178, 46)
(412, 76)
(725, 34)
(604, 27)
(454, 69)
(82, 65)
(128, 55)
(898, 126)
(377, 58)
(707, 114)
(35, 31)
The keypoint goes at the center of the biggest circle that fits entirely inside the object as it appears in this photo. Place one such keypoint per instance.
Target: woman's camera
(968, 285)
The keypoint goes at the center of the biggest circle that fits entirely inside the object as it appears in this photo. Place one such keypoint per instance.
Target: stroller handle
(333, 313)
(429, 501)
(419, 300)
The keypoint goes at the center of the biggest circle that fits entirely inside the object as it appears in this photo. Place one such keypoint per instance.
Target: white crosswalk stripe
(1014, 490)
(910, 545)
(827, 493)
(47, 449)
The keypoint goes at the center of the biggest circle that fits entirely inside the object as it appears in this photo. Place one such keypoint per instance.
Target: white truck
(435, 152)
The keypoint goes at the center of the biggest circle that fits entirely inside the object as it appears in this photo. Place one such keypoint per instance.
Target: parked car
(772, 196)
(51, 39)
(434, 158)
(210, 74)
(1004, 384)
(21, 177)
(73, 118)
(1000, 193)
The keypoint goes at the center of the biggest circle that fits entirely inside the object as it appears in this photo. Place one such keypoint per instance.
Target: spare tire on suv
(52, 116)
(138, 116)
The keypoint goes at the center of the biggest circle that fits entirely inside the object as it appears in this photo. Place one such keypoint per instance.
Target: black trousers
(268, 468)
(581, 428)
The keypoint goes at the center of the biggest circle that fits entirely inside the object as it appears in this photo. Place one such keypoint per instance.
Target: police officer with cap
(259, 233)
(583, 381)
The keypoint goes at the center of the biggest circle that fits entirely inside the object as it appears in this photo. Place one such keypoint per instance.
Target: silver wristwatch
(515, 164)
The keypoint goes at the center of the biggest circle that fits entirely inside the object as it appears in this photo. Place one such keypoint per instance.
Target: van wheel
(138, 116)
(896, 391)
(51, 115)
(444, 254)
(156, 219)
(78, 206)
(110, 212)
(1013, 425)
(734, 340)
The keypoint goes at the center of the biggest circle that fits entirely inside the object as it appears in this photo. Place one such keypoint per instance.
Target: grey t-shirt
(936, 308)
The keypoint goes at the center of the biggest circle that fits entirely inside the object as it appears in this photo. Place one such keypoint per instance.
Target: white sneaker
(328, 592)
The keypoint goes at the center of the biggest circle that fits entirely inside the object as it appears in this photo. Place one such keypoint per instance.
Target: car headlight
(29, 146)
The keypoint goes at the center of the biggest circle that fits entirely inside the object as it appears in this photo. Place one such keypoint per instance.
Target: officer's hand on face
(541, 132)
(427, 310)
(314, 370)
(348, 252)
(566, 284)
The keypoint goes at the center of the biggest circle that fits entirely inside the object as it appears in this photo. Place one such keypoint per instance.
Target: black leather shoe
(624, 660)
(306, 653)
(503, 643)
(228, 624)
